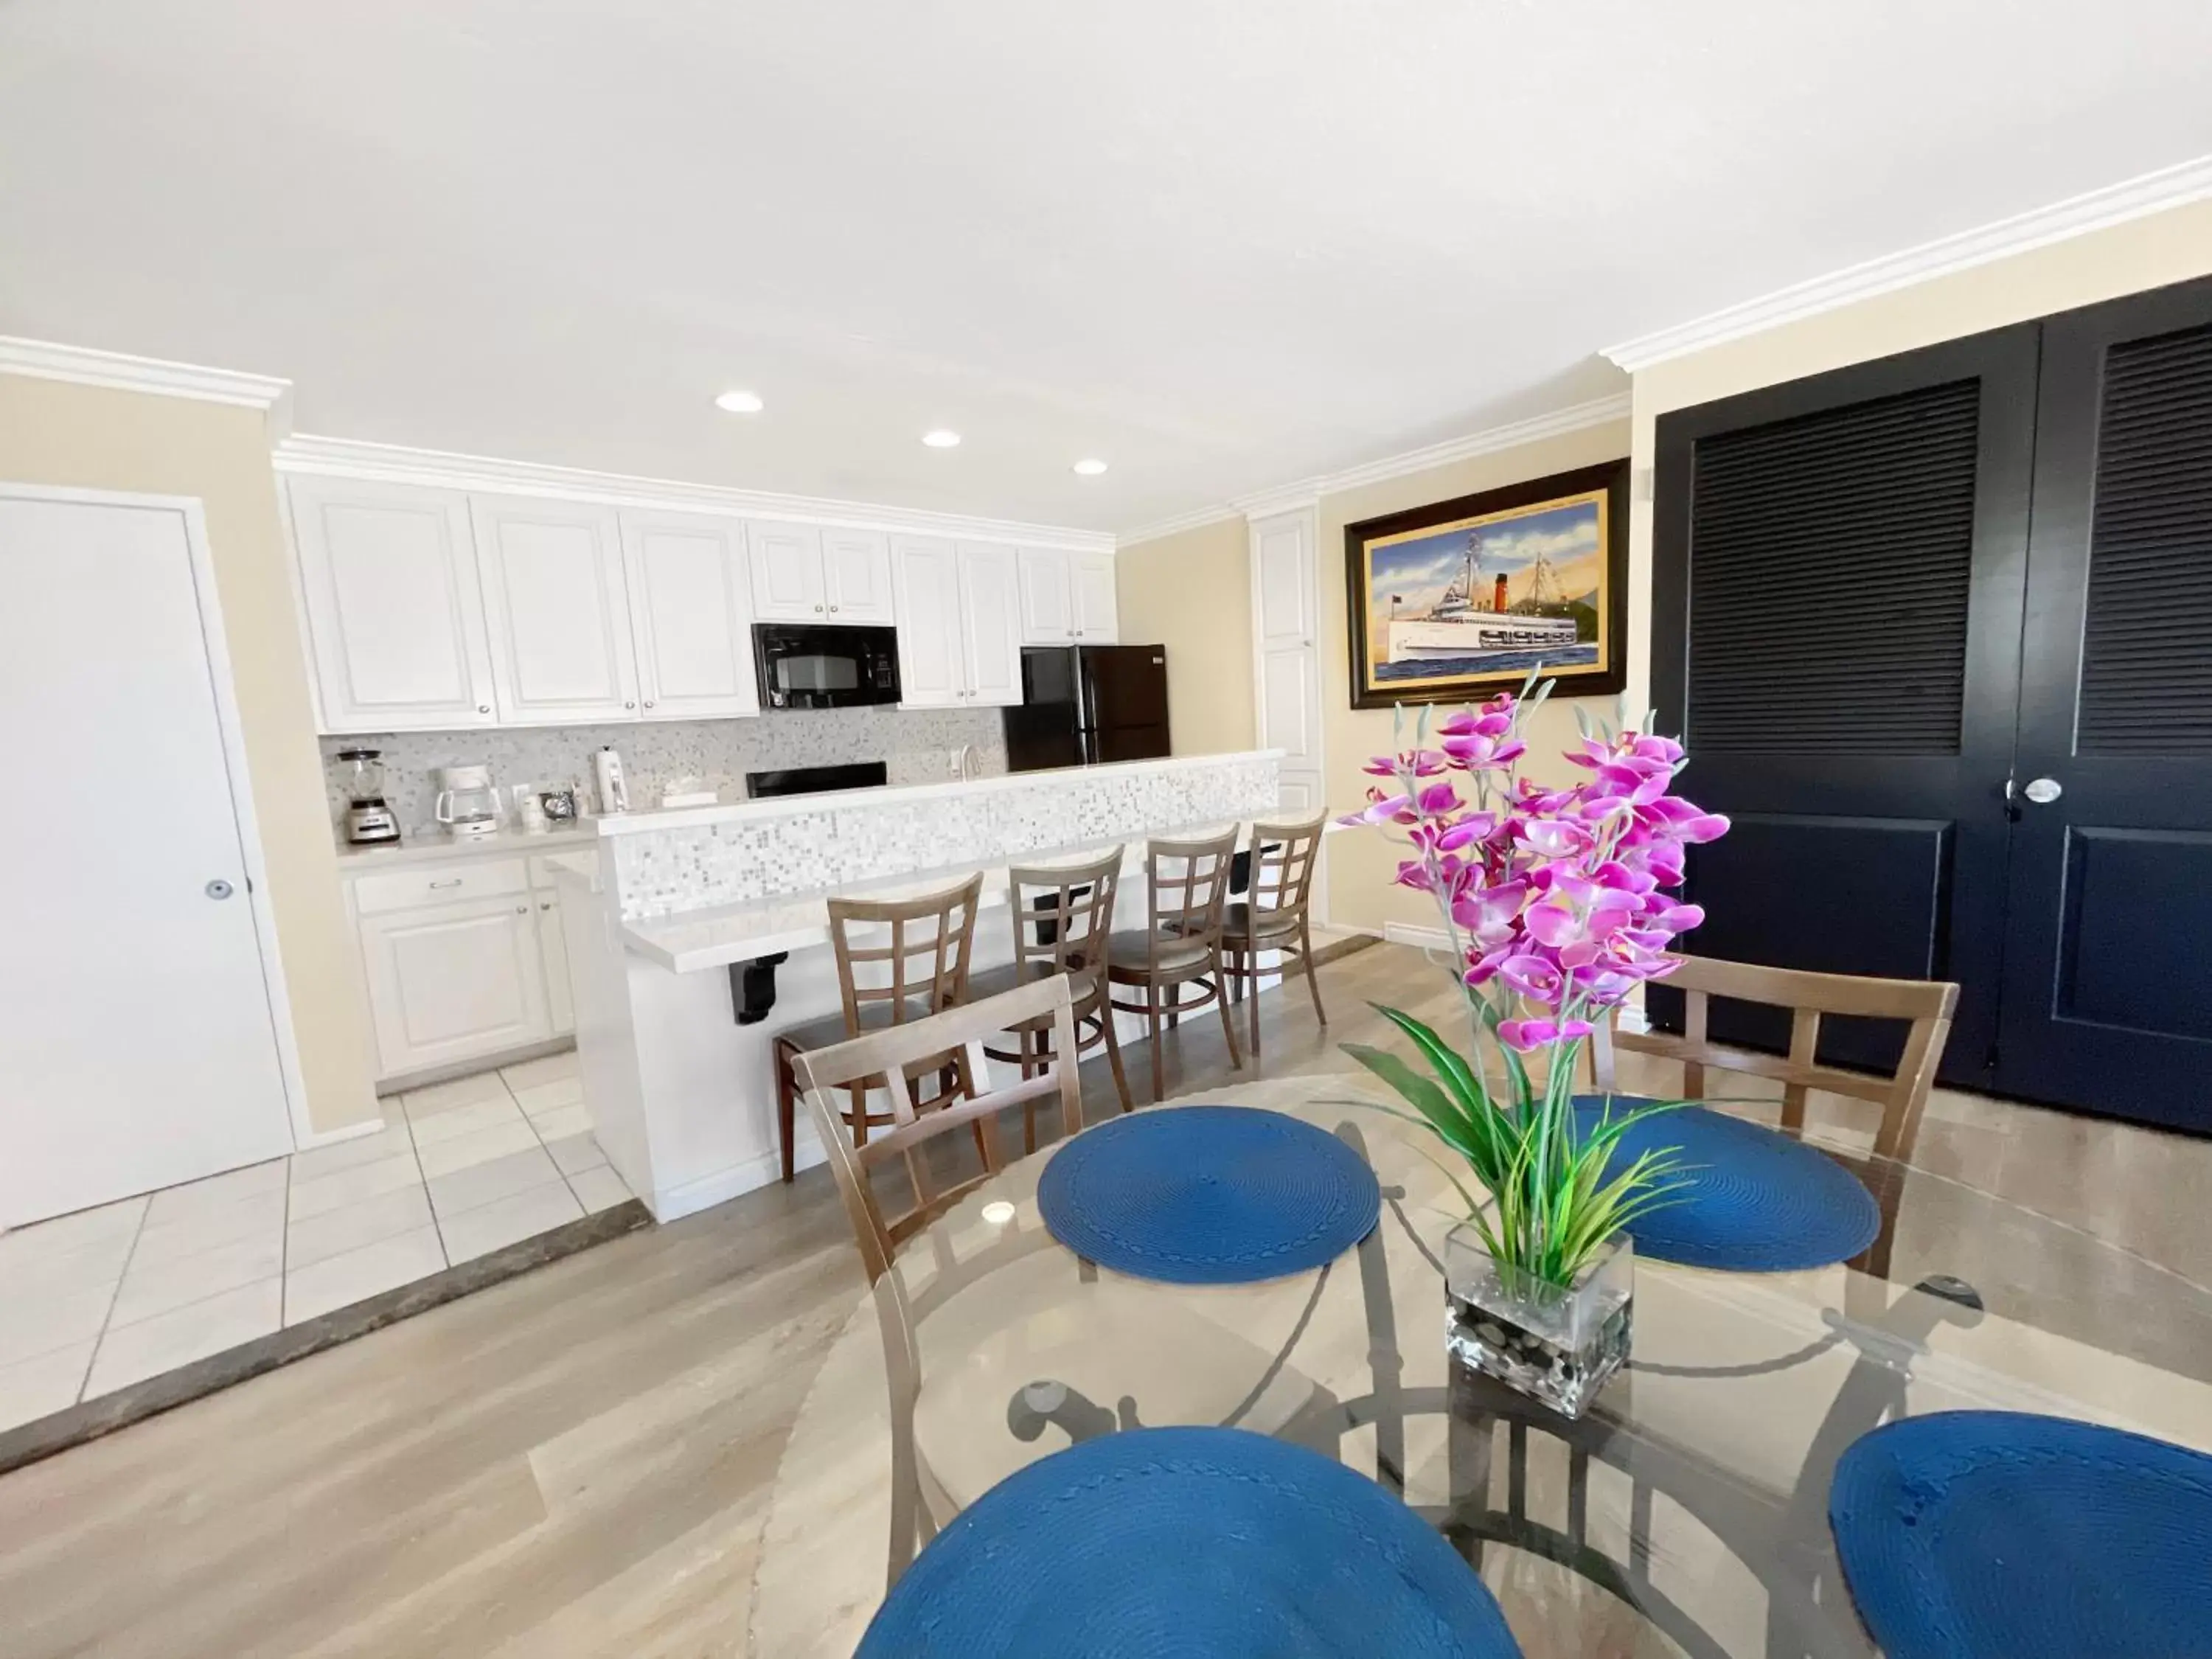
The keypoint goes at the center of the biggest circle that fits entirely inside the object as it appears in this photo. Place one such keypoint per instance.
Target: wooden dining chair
(916, 1142)
(1062, 916)
(1276, 913)
(1927, 1005)
(1186, 890)
(898, 960)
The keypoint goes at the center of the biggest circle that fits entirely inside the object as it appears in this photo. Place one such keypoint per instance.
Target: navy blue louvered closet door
(2107, 999)
(1838, 573)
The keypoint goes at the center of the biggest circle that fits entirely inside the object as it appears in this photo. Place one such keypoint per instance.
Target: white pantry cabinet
(558, 610)
(691, 613)
(394, 611)
(1067, 598)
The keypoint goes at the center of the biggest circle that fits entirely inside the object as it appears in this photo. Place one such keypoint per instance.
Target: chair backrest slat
(894, 1052)
(1927, 1005)
(1283, 859)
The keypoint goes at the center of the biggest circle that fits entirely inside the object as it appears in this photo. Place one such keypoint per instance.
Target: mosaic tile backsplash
(659, 873)
(918, 745)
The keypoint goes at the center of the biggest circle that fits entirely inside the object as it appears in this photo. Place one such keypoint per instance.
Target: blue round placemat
(1208, 1195)
(1996, 1536)
(1188, 1541)
(1755, 1201)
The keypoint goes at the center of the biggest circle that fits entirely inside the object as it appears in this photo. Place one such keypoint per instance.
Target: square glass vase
(1556, 1344)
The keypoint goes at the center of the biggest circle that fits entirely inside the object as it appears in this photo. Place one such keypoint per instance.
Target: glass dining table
(1684, 1513)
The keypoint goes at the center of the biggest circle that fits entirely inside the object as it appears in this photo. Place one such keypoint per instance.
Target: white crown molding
(1221, 513)
(348, 457)
(1307, 492)
(120, 372)
(2134, 198)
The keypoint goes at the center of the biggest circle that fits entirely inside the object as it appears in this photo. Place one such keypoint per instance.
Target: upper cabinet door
(1048, 597)
(787, 566)
(1096, 614)
(395, 616)
(561, 646)
(926, 576)
(991, 622)
(856, 567)
(691, 613)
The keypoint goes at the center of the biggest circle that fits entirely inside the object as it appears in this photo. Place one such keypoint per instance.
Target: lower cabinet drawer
(449, 981)
(438, 884)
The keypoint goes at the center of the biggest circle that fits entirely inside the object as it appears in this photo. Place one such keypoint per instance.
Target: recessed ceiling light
(1090, 469)
(739, 402)
(941, 438)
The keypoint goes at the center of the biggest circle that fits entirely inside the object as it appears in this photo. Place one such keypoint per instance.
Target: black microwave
(817, 666)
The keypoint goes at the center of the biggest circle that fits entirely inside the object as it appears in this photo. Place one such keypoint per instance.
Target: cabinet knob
(483, 708)
(649, 702)
(545, 904)
(630, 705)
(818, 607)
(833, 609)
(522, 910)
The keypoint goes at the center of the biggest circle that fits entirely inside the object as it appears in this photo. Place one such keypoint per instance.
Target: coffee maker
(369, 820)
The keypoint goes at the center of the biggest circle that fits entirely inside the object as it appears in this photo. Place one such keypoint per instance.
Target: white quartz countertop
(420, 849)
(698, 940)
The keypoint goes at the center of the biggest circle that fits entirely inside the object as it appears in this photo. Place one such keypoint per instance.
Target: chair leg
(859, 1093)
(1250, 979)
(787, 1101)
(1228, 1024)
(1114, 1055)
(1306, 962)
(1159, 1071)
(1029, 1107)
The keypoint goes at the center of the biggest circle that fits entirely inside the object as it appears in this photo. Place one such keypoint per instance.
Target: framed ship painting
(1458, 601)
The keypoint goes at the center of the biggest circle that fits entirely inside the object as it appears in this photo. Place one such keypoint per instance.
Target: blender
(467, 805)
(369, 820)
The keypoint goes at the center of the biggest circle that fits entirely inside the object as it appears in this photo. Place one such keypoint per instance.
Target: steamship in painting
(1473, 616)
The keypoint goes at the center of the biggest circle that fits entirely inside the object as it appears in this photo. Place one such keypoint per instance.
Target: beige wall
(53, 433)
(1360, 861)
(1193, 593)
(2148, 252)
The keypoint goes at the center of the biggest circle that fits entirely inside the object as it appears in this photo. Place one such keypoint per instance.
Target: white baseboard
(368, 1125)
(704, 1192)
(1407, 933)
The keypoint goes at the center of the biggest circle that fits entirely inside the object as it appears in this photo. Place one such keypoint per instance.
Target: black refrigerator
(1083, 704)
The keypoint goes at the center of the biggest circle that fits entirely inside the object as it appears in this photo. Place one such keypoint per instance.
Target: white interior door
(690, 608)
(1287, 660)
(926, 573)
(135, 1013)
(553, 595)
(991, 624)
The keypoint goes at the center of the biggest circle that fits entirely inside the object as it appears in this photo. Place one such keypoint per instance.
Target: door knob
(219, 889)
(2043, 790)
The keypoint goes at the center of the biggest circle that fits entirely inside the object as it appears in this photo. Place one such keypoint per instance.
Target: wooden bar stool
(1276, 916)
(1062, 916)
(1187, 887)
(897, 960)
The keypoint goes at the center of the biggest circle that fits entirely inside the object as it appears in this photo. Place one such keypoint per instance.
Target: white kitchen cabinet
(451, 981)
(1048, 597)
(990, 623)
(555, 601)
(856, 577)
(932, 665)
(1067, 598)
(553, 951)
(394, 611)
(1096, 610)
(690, 614)
(787, 579)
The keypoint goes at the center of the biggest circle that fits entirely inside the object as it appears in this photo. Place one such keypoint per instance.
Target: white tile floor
(92, 1301)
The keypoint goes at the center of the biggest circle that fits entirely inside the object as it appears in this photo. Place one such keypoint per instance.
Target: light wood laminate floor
(576, 1462)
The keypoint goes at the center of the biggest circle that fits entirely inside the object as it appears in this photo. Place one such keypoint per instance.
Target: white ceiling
(1220, 243)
